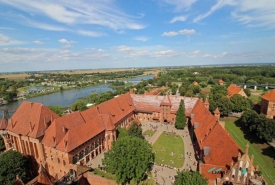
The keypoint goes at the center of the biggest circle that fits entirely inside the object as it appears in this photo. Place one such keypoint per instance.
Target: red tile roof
(270, 96)
(232, 90)
(205, 91)
(166, 101)
(202, 120)
(3, 123)
(204, 168)
(58, 128)
(64, 131)
(82, 133)
(223, 149)
(155, 91)
(31, 119)
(151, 103)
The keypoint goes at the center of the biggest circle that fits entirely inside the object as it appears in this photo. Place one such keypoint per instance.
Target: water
(67, 98)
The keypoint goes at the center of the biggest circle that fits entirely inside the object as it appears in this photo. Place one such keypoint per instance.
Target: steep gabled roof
(57, 130)
(78, 135)
(232, 90)
(270, 96)
(31, 119)
(166, 101)
(223, 149)
(3, 123)
(204, 119)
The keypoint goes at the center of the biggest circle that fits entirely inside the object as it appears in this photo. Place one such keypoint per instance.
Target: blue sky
(78, 34)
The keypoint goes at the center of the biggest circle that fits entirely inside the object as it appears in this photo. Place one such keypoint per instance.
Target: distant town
(163, 125)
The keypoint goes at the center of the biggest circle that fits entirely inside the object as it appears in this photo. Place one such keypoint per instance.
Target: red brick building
(62, 144)
(268, 104)
(233, 89)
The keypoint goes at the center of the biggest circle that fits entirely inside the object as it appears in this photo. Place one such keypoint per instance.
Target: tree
(56, 109)
(189, 93)
(190, 178)
(78, 105)
(13, 163)
(135, 131)
(2, 144)
(249, 118)
(240, 103)
(180, 117)
(247, 92)
(225, 106)
(130, 158)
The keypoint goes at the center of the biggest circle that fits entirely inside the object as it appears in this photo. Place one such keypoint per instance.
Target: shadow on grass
(270, 152)
(250, 136)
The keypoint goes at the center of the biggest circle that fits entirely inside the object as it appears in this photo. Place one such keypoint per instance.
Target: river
(67, 98)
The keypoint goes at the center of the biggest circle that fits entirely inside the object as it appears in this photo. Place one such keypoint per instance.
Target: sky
(91, 34)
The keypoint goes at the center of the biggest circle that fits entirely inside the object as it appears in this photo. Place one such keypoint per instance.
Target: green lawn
(164, 146)
(255, 98)
(149, 132)
(263, 153)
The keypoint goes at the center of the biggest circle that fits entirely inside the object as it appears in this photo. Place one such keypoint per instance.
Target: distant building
(268, 104)
(233, 89)
(221, 82)
(195, 83)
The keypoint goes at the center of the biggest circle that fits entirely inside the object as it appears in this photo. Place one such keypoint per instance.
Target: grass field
(164, 146)
(263, 153)
(148, 133)
(255, 98)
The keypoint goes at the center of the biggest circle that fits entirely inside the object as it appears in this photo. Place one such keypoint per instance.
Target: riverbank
(58, 90)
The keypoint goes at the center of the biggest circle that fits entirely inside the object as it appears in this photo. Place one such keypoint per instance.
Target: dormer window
(54, 139)
(65, 143)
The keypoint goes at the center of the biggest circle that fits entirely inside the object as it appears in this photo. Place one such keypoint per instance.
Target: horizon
(54, 35)
(149, 67)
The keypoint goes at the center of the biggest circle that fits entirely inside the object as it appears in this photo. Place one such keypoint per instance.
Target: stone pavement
(163, 175)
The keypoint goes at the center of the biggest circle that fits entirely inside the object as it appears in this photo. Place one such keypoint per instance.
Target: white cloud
(90, 33)
(180, 4)
(196, 52)
(7, 41)
(178, 18)
(38, 42)
(181, 32)
(42, 55)
(218, 5)
(124, 48)
(224, 54)
(164, 54)
(255, 13)
(250, 12)
(67, 46)
(64, 41)
(143, 39)
(207, 56)
(70, 13)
